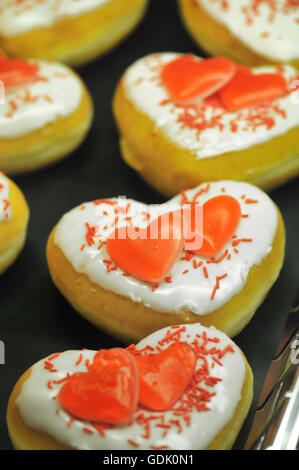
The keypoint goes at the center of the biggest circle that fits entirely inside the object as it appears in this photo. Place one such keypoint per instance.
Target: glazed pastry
(184, 121)
(108, 261)
(69, 31)
(14, 215)
(46, 114)
(249, 31)
(190, 378)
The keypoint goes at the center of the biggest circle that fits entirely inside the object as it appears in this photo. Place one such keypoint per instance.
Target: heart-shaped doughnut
(38, 28)
(215, 394)
(14, 215)
(45, 115)
(252, 32)
(220, 283)
(107, 392)
(235, 123)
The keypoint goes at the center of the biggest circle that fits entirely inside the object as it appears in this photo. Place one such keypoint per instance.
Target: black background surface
(35, 320)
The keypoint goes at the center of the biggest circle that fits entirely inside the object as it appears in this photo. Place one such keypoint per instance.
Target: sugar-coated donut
(14, 215)
(69, 31)
(46, 114)
(249, 31)
(132, 289)
(176, 143)
(210, 389)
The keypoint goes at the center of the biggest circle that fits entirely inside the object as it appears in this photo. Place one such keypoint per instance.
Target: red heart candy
(150, 253)
(189, 80)
(165, 376)
(107, 393)
(214, 100)
(221, 216)
(247, 89)
(17, 72)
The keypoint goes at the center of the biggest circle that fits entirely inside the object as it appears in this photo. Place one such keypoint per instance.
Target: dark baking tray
(35, 320)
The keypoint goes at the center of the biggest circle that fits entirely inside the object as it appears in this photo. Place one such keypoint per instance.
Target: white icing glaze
(191, 291)
(272, 30)
(38, 409)
(57, 94)
(143, 87)
(5, 206)
(20, 17)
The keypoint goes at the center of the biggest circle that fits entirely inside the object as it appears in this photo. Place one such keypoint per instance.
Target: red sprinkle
(251, 201)
(79, 359)
(88, 431)
(133, 443)
(54, 356)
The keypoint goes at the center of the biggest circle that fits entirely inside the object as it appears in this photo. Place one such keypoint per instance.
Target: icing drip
(17, 17)
(207, 405)
(190, 286)
(5, 207)
(269, 27)
(56, 94)
(209, 129)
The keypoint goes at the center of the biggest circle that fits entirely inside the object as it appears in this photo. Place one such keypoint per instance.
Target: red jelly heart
(165, 376)
(17, 72)
(107, 393)
(247, 89)
(189, 80)
(214, 100)
(150, 253)
(221, 216)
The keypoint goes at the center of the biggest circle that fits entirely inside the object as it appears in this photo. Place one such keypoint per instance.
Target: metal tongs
(276, 422)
